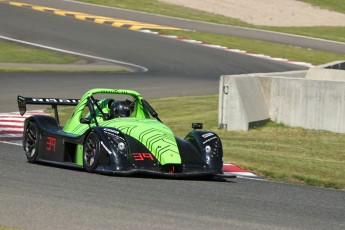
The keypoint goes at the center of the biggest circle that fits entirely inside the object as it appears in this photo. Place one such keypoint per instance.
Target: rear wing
(54, 102)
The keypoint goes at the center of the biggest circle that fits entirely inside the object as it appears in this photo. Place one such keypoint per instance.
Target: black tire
(91, 152)
(31, 141)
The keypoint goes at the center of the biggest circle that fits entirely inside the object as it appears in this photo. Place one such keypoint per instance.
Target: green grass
(273, 151)
(323, 32)
(154, 6)
(315, 57)
(18, 54)
(15, 53)
(8, 228)
(58, 70)
(334, 5)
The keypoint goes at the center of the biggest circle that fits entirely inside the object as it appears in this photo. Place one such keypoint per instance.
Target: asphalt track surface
(288, 39)
(45, 197)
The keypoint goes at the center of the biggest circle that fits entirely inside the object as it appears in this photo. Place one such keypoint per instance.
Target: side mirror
(197, 126)
(85, 121)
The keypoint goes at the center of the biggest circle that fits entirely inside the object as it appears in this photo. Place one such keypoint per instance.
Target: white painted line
(257, 55)
(11, 135)
(21, 124)
(250, 178)
(144, 69)
(302, 63)
(148, 31)
(27, 114)
(215, 46)
(11, 129)
(192, 41)
(11, 143)
(279, 59)
(247, 174)
(168, 36)
(5, 119)
(237, 50)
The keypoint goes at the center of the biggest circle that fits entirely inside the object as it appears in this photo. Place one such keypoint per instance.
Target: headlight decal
(119, 143)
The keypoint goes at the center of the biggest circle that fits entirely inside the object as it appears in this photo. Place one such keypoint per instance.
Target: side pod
(210, 148)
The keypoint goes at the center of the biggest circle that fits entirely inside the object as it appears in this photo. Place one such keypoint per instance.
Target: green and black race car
(119, 133)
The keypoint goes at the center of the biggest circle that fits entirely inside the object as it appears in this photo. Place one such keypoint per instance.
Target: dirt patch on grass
(268, 12)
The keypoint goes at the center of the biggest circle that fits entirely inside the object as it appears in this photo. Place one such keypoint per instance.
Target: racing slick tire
(91, 152)
(31, 141)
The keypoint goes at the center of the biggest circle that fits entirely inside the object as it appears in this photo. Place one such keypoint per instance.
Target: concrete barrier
(242, 102)
(289, 98)
(334, 71)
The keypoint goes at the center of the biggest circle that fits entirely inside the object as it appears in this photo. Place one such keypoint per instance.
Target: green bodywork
(157, 137)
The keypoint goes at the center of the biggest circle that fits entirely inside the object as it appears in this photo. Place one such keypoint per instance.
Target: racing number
(51, 143)
(142, 156)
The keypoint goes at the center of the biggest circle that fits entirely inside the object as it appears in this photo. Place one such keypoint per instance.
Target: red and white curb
(12, 125)
(239, 172)
(228, 49)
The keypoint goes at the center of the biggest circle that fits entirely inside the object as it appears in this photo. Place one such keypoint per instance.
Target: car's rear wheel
(31, 142)
(91, 152)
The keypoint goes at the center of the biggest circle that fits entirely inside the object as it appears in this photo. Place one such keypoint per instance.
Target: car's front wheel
(91, 152)
(31, 142)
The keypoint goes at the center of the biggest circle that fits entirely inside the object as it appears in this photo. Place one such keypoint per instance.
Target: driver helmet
(119, 109)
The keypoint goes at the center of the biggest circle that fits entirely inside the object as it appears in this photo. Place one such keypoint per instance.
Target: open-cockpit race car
(118, 134)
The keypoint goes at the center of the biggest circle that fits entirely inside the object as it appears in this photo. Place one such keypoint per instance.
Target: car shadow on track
(139, 175)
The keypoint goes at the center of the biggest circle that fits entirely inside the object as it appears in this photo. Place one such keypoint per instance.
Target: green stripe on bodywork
(154, 135)
(79, 155)
(157, 137)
